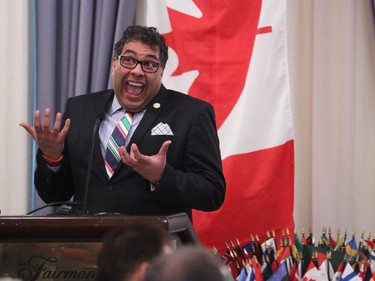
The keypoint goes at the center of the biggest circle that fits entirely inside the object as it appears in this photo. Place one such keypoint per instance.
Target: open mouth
(134, 88)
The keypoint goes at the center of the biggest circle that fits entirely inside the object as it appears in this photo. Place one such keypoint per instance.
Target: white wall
(14, 106)
(332, 63)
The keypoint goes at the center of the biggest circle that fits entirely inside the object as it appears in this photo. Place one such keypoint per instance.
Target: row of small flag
(300, 258)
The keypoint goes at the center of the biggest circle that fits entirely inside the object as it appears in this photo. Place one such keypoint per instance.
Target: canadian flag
(233, 55)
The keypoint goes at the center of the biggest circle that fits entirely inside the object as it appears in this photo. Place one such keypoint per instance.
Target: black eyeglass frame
(157, 65)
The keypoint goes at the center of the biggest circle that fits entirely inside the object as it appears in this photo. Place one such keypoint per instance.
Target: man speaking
(139, 149)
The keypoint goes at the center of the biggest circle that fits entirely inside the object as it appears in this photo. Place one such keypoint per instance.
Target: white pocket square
(161, 129)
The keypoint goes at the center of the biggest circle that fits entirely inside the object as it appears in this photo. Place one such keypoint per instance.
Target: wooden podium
(66, 247)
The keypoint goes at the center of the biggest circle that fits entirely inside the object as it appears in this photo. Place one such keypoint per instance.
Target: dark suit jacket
(192, 178)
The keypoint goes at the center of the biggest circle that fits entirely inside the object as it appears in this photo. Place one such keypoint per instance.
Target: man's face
(135, 88)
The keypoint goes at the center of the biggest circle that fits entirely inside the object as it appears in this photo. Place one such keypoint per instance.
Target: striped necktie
(117, 139)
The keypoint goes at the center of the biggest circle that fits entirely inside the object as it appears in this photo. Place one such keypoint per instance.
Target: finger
(57, 124)
(125, 157)
(37, 124)
(164, 148)
(29, 129)
(134, 152)
(47, 119)
(61, 136)
(65, 130)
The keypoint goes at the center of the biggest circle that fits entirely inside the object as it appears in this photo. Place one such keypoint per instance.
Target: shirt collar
(115, 106)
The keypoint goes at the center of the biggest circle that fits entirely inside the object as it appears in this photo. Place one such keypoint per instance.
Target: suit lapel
(153, 110)
(101, 105)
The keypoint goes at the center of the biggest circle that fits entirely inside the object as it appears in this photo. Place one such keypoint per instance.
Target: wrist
(51, 161)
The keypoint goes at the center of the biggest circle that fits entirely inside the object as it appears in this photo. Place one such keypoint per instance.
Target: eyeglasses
(131, 63)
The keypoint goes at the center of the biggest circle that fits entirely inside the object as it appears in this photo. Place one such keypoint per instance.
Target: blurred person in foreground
(168, 160)
(188, 263)
(127, 251)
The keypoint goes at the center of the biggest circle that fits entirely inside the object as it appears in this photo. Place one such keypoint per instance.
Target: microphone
(64, 211)
(89, 167)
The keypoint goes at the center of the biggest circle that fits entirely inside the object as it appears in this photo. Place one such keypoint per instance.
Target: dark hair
(147, 35)
(124, 249)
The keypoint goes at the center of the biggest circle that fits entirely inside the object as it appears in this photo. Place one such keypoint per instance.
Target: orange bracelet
(53, 161)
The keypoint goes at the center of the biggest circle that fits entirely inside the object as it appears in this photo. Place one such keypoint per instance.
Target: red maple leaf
(219, 45)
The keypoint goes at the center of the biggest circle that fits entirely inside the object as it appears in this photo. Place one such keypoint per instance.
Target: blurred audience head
(127, 251)
(188, 264)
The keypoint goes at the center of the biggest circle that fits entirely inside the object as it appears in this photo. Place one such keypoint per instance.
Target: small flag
(281, 274)
(349, 274)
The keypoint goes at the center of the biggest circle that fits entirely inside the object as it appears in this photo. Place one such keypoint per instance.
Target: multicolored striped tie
(117, 139)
